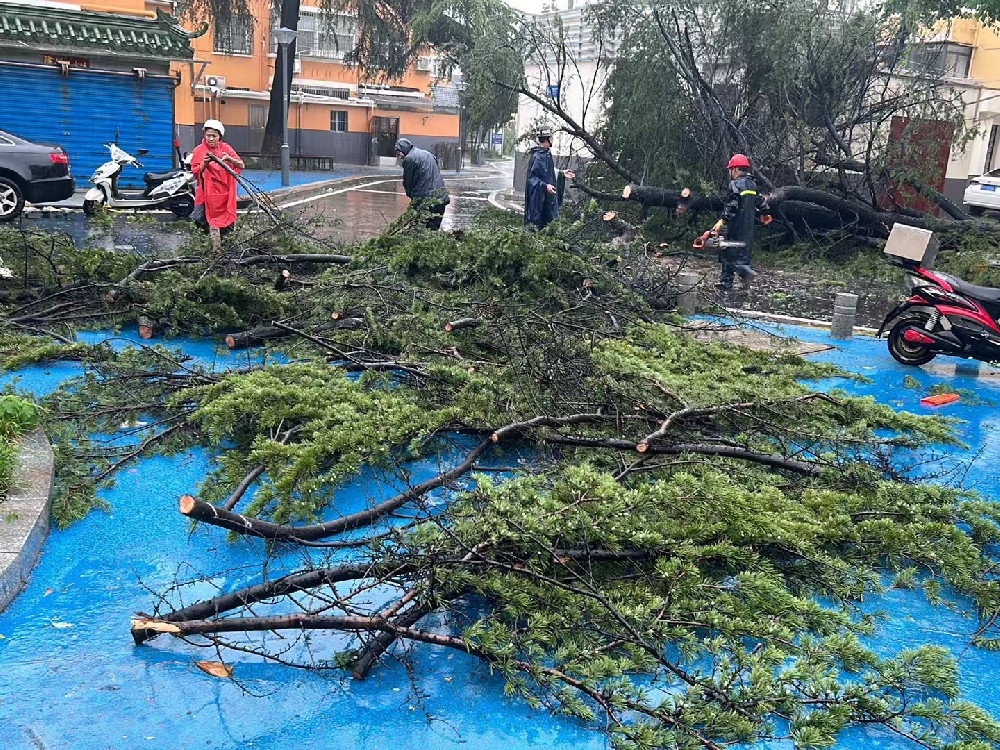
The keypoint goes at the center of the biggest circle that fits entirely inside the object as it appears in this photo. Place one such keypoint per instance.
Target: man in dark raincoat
(422, 182)
(541, 194)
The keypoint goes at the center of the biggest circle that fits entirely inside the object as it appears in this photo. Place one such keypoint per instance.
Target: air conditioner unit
(425, 63)
(216, 82)
(297, 65)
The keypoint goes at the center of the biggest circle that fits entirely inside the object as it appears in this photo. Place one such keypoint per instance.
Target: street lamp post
(285, 37)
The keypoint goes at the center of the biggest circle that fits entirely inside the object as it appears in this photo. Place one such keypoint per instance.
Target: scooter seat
(983, 293)
(153, 177)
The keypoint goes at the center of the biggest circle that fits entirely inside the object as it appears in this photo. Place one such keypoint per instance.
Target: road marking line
(331, 193)
(494, 202)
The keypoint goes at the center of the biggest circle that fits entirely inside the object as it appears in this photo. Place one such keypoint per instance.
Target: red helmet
(739, 161)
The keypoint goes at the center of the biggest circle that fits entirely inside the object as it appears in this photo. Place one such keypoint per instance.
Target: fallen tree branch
(530, 424)
(643, 445)
(289, 584)
(704, 449)
(159, 264)
(262, 334)
(199, 510)
(257, 260)
(457, 325)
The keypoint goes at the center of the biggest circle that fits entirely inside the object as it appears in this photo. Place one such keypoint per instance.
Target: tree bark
(202, 511)
(289, 584)
(281, 83)
(262, 334)
(257, 260)
(457, 325)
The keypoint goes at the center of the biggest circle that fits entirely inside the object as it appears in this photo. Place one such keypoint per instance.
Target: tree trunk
(281, 84)
(257, 336)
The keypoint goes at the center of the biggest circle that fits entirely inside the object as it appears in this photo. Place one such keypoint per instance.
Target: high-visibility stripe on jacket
(740, 211)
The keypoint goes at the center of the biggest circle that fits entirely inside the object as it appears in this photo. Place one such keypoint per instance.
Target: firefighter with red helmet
(743, 206)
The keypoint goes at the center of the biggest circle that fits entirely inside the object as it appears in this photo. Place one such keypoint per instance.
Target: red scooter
(944, 315)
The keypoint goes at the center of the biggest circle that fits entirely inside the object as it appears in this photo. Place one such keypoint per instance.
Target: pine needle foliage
(683, 560)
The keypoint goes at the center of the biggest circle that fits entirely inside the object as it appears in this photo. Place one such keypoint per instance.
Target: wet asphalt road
(350, 213)
(365, 210)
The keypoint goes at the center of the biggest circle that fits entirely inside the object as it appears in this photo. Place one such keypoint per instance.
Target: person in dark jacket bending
(743, 205)
(542, 195)
(423, 182)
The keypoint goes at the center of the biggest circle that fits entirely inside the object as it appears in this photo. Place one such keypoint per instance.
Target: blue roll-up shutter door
(86, 109)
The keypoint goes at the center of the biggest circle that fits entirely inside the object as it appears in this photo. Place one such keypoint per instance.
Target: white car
(983, 193)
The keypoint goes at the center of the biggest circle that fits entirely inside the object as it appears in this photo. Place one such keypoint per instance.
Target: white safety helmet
(214, 125)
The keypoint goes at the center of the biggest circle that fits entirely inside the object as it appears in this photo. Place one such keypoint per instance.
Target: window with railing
(234, 35)
(323, 91)
(330, 36)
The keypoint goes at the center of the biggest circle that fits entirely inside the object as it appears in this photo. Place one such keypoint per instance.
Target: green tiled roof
(48, 29)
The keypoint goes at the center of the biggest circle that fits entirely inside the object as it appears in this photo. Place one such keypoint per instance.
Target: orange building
(88, 73)
(334, 114)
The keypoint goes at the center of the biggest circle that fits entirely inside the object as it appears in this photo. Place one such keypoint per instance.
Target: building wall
(127, 7)
(981, 94)
(580, 90)
(248, 81)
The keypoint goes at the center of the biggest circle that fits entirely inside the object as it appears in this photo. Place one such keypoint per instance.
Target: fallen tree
(584, 498)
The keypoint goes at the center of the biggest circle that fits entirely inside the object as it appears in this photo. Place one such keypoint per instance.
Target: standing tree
(281, 84)
(824, 101)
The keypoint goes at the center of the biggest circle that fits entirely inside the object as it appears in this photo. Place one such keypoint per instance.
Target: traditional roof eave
(49, 29)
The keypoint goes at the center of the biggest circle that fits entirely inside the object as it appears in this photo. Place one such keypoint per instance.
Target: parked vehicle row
(31, 172)
(983, 193)
(40, 173)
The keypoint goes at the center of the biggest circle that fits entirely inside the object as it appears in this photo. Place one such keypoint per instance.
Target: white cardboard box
(912, 243)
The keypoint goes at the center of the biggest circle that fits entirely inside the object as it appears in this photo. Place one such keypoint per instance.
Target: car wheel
(92, 207)
(11, 200)
(976, 210)
(903, 351)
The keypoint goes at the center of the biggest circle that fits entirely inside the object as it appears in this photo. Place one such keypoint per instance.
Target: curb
(24, 515)
(736, 312)
(498, 199)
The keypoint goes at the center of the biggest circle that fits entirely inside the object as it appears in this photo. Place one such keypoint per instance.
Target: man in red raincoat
(216, 191)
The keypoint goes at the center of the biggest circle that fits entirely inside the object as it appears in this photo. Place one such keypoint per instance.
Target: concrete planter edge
(24, 514)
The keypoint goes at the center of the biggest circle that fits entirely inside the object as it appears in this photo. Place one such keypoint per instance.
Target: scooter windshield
(118, 154)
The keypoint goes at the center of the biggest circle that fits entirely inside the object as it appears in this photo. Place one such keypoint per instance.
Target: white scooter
(173, 190)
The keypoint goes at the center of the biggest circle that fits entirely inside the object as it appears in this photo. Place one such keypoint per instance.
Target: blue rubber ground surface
(70, 677)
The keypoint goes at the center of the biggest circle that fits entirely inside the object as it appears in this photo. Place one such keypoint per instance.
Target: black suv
(31, 172)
